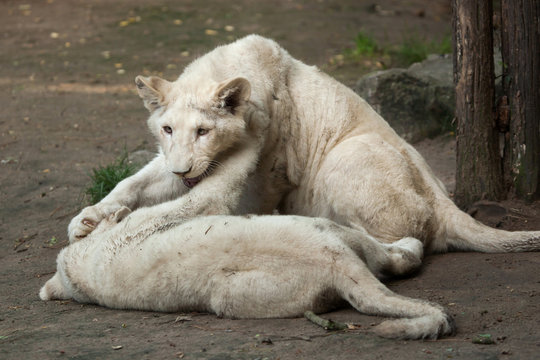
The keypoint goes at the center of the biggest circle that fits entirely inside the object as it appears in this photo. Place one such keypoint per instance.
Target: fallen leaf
(210, 32)
(483, 339)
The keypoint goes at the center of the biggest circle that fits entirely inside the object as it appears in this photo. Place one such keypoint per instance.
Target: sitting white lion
(248, 129)
(246, 267)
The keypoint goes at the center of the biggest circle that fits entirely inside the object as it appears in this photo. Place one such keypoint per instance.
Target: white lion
(248, 129)
(246, 267)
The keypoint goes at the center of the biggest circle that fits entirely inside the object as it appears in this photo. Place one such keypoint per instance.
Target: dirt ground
(67, 105)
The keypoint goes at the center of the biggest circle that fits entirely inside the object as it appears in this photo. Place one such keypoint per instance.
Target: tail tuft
(432, 326)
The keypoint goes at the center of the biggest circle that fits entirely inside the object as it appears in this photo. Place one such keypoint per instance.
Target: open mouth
(191, 182)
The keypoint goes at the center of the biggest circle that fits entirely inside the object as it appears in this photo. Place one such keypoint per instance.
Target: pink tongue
(191, 182)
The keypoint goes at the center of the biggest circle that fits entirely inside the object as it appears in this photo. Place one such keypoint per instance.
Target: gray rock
(417, 102)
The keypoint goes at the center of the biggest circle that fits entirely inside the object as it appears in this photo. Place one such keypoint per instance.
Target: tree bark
(521, 85)
(479, 165)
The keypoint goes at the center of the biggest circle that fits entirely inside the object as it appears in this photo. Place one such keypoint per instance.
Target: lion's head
(195, 124)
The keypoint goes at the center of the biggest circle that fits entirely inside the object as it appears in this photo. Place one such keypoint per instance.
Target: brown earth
(68, 105)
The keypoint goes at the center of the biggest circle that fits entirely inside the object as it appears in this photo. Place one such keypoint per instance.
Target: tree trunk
(521, 85)
(479, 165)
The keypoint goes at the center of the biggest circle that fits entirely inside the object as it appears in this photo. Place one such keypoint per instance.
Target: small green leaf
(483, 339)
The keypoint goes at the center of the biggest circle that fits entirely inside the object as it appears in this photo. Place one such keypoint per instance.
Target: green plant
(415, 49)
(365, 45)
(105, 178)
(412, 49)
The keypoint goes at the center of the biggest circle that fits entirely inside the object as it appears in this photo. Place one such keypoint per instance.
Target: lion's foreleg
(151, 185)
(218, 194)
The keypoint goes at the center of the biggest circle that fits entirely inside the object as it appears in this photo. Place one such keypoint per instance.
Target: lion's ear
(152, 90)
(232, 94)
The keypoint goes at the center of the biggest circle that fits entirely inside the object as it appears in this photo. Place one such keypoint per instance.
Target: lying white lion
(247, 267)
(247, 129)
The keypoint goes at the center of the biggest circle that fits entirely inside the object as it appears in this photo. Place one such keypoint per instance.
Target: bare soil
(68, 105)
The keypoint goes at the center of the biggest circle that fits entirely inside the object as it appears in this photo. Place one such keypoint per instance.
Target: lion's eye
(202, 132)
(167, 129)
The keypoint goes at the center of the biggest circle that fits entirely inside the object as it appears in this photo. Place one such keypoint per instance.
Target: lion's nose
(182, 173)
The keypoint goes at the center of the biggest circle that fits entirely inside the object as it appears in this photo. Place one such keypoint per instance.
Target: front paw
(84, 223)
(113, 219)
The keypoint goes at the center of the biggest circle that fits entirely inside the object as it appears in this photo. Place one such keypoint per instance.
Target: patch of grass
(105, 178)
(370, 55)
(365, 55)
(365, 45)
(415, 49)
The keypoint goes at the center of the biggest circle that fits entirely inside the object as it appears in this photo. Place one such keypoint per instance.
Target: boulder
(417, 102)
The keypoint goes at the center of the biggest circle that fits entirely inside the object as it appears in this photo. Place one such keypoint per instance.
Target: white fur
(240, 267)
(252, 129)
(284, 135)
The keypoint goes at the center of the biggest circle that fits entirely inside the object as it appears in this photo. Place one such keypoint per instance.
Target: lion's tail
(463, 233)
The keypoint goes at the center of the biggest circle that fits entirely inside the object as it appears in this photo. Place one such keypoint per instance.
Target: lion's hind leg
(400, 258)
(418, 319)
(366, 183)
